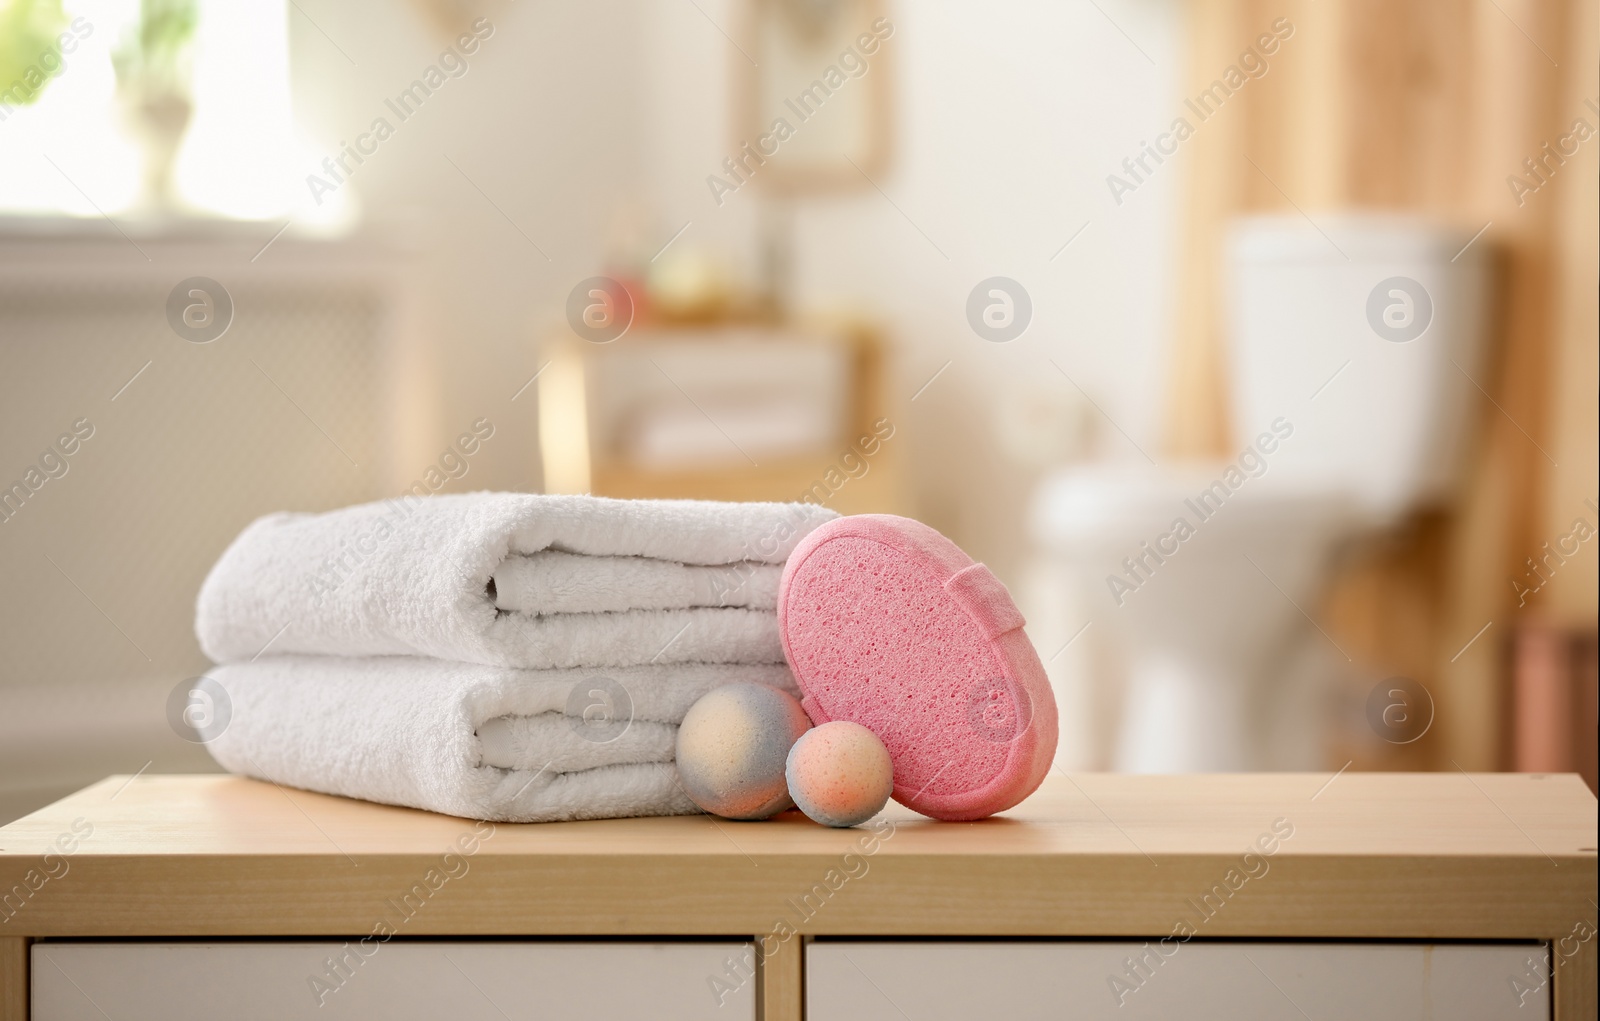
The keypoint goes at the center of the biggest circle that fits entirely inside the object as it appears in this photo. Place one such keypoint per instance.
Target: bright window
(208, 85)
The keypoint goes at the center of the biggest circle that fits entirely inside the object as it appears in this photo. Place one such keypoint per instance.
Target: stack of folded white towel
(493, 655)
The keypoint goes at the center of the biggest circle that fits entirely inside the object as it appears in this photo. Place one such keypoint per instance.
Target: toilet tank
(1365, 335)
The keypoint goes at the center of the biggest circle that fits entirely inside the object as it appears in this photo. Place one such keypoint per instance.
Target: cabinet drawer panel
(936, 981)
(463, 981)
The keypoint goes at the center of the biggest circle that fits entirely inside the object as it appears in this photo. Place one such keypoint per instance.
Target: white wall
(1009, 116)
(546, 123)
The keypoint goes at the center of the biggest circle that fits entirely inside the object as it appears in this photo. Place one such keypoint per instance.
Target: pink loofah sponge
(886, 623)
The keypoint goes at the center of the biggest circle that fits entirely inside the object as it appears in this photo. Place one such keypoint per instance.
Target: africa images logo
(199, 310)
(1399, 309)
(999, 309)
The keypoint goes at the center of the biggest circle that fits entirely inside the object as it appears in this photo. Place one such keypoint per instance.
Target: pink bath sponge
(886, 623)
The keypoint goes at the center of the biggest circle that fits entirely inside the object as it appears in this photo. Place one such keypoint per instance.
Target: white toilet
(1353, 348)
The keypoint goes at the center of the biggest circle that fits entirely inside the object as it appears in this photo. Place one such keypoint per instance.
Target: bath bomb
(840, 774)
(732, 748)
(888, 624)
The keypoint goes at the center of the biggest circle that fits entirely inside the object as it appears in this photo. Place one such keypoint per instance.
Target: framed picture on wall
(812, 94)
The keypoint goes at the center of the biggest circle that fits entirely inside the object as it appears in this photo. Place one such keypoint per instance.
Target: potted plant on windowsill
(153, 71)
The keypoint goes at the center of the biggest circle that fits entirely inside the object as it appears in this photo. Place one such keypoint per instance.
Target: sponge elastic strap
(977, 591)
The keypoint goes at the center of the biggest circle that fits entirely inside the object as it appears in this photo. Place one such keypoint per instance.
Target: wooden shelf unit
(1491, 857)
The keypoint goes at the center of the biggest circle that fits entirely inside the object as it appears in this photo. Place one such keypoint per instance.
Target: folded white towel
(412, 577)
(469, 740)
(551, 582)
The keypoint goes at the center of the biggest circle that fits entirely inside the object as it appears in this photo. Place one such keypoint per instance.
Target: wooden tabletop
(1351, 855)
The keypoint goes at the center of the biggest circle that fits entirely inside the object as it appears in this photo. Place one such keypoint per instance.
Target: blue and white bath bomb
(732, 747)
(840, 774)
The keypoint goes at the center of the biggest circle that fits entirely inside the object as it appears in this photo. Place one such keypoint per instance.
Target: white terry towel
(413, 576)
(469, 740)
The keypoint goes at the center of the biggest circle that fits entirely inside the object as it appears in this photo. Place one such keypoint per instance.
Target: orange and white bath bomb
(840, 774)
(732, 748)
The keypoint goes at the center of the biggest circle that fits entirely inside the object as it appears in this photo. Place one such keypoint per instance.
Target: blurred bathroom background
(1317, 280)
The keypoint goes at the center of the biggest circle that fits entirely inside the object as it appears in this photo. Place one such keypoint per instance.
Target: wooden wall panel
(1573, 595)
(1196, 424)
(1424, 107)
(1516, 108)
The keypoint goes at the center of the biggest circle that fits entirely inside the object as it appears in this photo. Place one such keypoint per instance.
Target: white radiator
(139, 454)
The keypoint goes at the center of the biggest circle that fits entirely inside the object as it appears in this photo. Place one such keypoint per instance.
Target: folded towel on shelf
(477, 741)
(471, 578)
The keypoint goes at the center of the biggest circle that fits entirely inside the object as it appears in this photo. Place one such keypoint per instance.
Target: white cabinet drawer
(938, 981)
(462, 981)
